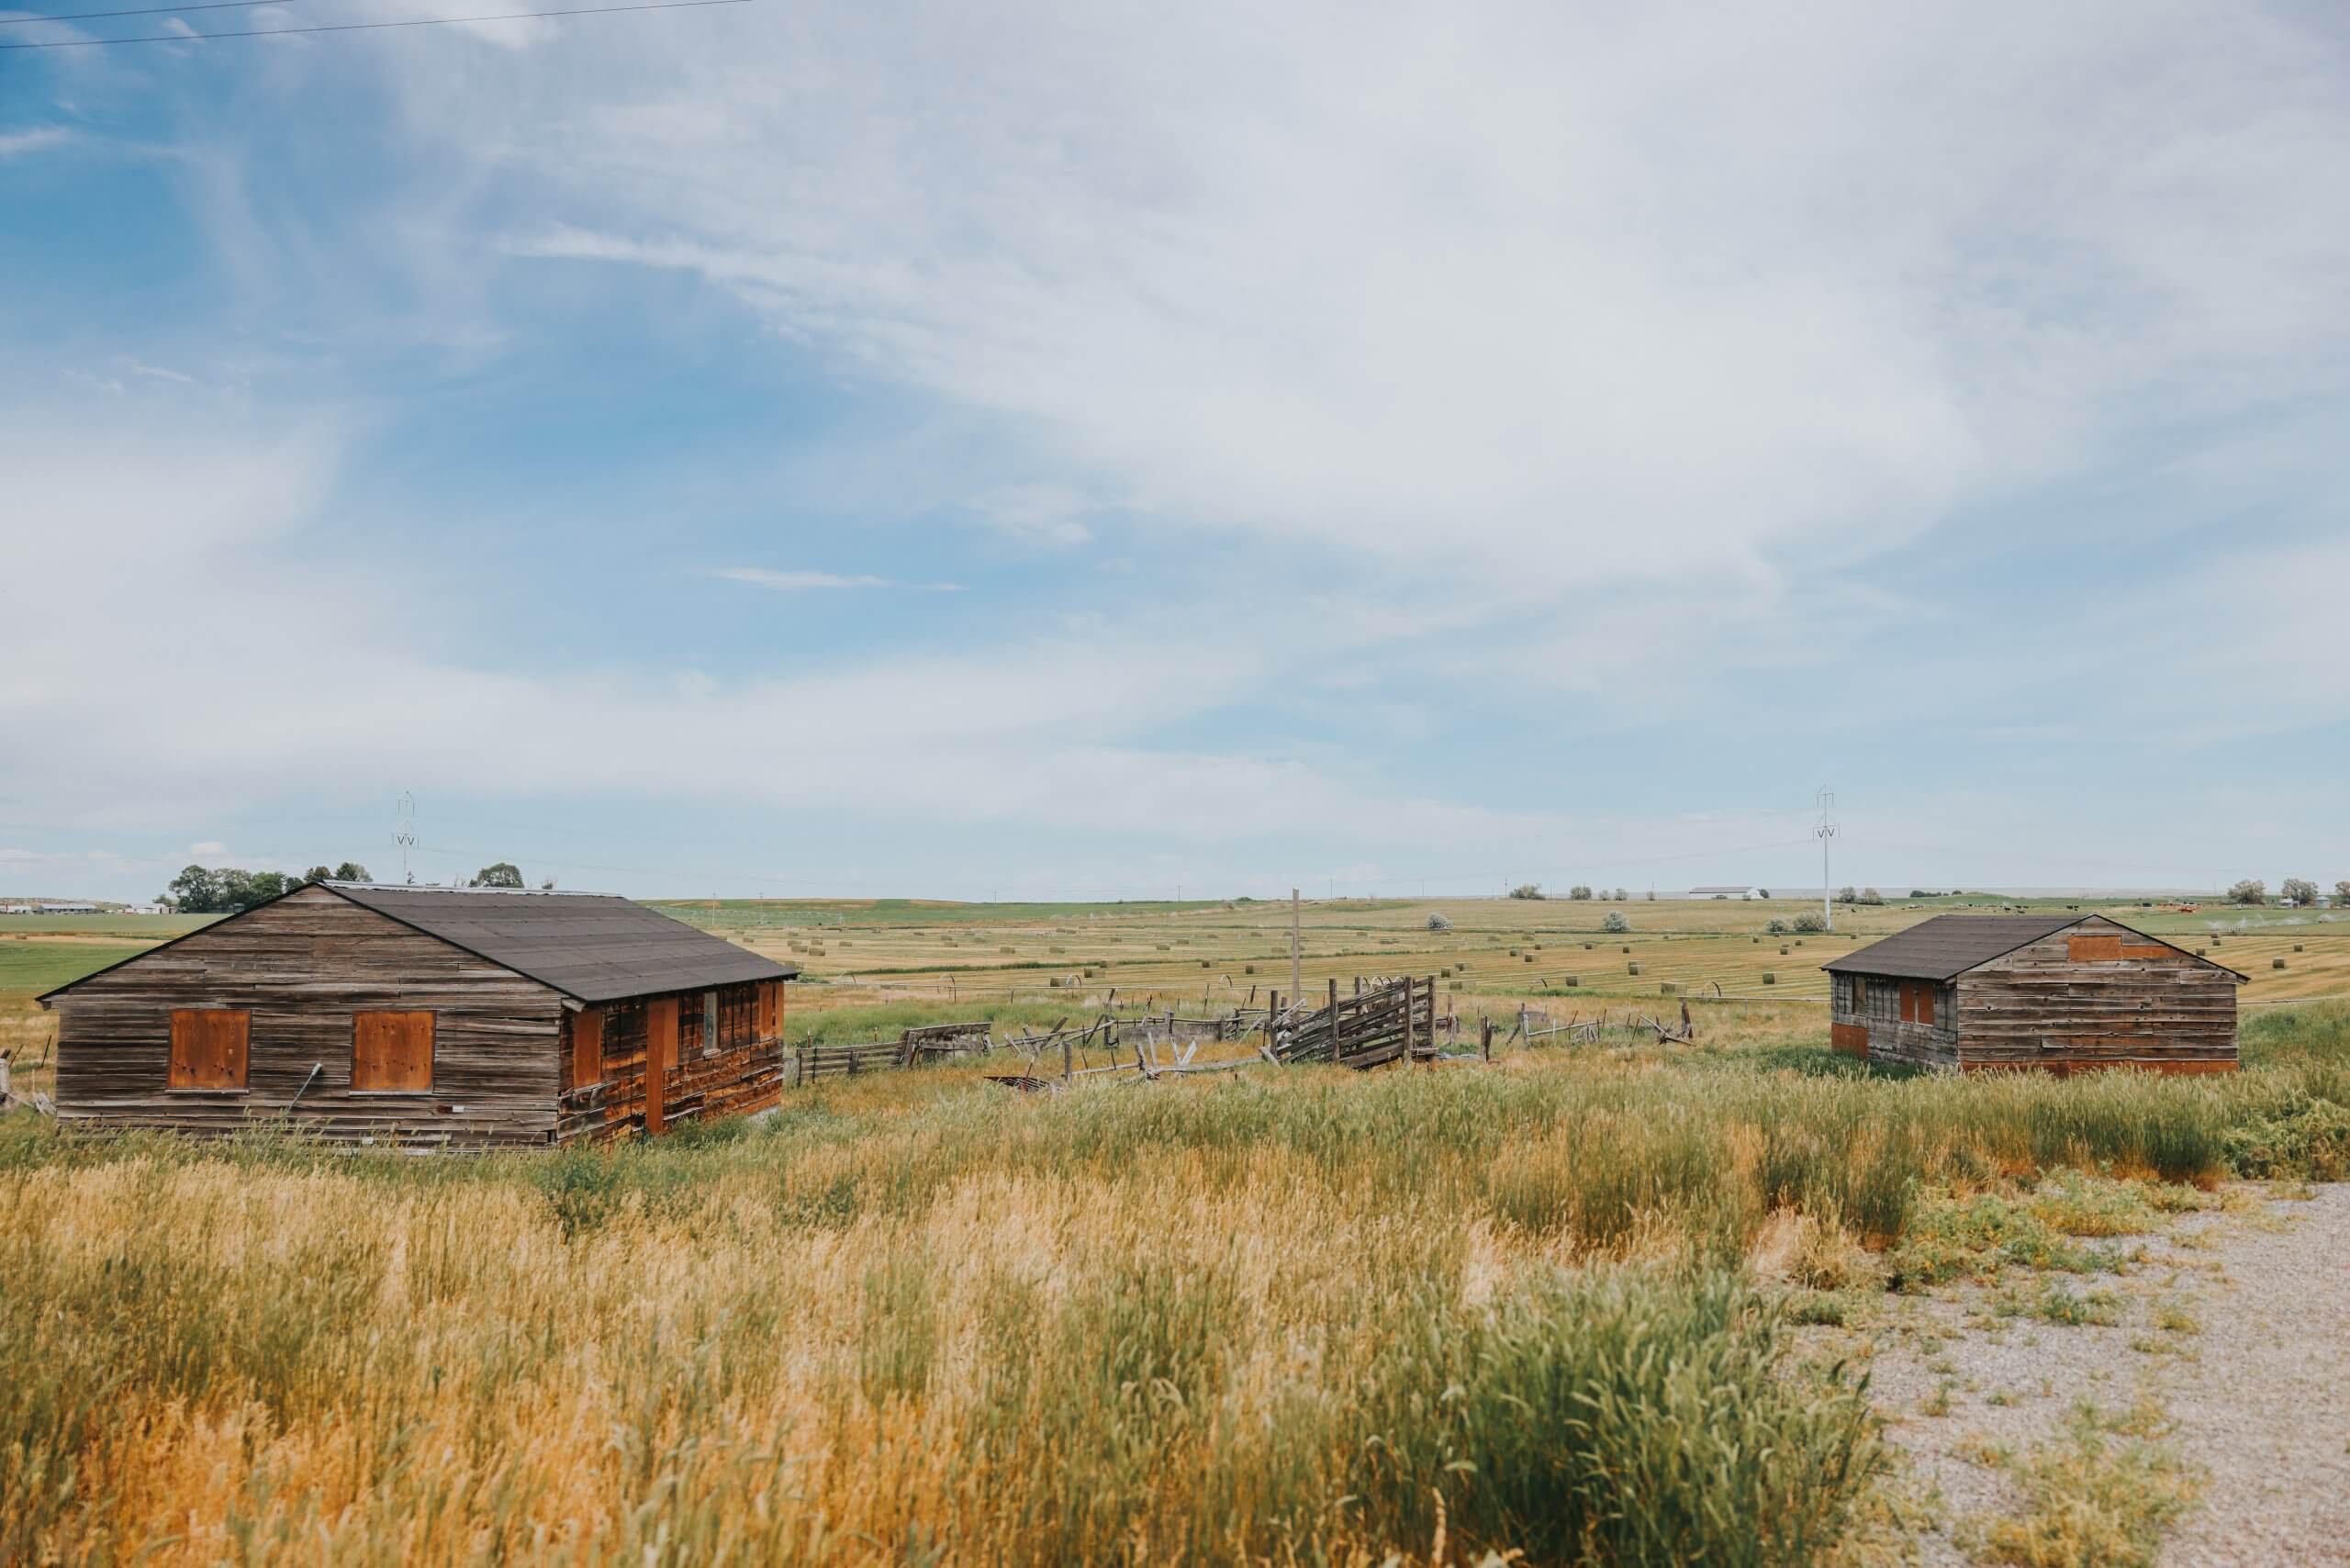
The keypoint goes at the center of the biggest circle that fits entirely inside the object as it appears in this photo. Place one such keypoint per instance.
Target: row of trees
(1848, 894)
(228, 890)
(2296, 890)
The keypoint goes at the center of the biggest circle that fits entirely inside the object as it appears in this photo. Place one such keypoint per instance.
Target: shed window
(391, 1051)
(710, 1023)
(1917, 1002)
(208, 1047)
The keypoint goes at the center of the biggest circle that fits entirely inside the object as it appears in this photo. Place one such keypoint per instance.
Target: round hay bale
(2276, 963)
(1770, 977)
(1667, 989)
(1633, 967)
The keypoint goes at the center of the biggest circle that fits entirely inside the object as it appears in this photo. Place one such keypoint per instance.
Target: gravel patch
(2236, 1325)
(2265, 1408)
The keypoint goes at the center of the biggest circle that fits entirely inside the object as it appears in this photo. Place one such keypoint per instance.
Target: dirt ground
(2234, 1326)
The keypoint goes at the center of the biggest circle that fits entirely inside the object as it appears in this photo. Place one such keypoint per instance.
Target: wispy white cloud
(16, 143)
(1036, 513)
(1656, 288)
(762, 577)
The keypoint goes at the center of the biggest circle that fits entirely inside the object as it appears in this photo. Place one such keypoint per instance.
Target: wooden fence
(1384, 1024)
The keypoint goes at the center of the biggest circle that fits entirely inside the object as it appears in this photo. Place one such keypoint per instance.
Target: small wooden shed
(2062, 992)
(426, 1016)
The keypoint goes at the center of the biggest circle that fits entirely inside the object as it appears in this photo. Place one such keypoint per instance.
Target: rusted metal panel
(1850, 1039)
(2093, 949)
(586, 1047)
(660, 1059)
(209, 1047)
(391, 1051)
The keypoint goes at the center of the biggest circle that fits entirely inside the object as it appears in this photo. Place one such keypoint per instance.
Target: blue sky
(792, 449)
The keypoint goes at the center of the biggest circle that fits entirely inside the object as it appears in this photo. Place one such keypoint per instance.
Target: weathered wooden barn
(425, 1017)
(2062, 992)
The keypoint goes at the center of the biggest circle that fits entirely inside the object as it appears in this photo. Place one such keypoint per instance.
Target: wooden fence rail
(1384, 1024)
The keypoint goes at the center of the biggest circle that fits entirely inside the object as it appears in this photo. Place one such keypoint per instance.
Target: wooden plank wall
(745, 1073)
(1866, 1018)
(2098, 996)
(303, 967)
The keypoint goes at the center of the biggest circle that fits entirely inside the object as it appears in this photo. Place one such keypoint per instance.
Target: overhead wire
(141, 11)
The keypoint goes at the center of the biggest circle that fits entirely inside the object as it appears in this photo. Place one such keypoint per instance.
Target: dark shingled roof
(1949, 945)
(589, 946)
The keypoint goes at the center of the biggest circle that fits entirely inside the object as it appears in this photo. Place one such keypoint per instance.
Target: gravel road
(2259, 1393)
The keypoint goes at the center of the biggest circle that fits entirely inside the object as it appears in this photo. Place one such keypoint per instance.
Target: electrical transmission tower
(404, 833)
(1826, 832)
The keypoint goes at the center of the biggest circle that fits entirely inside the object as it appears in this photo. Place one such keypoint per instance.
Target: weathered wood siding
(303, 968)
(2097, 995)
(1871, 1015)
(730, 1068)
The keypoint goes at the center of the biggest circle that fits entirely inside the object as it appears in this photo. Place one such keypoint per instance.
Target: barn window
(391, 1052)
(1917, 1002)
(586, 1047)
(710, 1023)
(208, 1047)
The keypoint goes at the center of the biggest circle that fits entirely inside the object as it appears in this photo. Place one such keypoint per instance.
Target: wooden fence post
(1485, 1039)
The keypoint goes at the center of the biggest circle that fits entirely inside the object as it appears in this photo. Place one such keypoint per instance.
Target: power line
(362, 27)
(144, 11)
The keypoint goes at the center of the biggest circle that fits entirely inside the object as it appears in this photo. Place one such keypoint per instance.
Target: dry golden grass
(1297, 1315)
(1301, 1315)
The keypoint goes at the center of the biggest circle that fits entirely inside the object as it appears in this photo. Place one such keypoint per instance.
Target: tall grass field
(1462, 1316)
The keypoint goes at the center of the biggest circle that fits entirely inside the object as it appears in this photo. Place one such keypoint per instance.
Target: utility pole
(1296, 986)
(1827, 833)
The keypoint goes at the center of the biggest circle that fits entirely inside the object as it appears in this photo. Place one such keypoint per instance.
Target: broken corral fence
(1386, 1022)
(925, 1044)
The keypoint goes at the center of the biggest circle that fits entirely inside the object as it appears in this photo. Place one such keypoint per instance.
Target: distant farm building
(62, 907)
(422, 1017)
(2065, 992)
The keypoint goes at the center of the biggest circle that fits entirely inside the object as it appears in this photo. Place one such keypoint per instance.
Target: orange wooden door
(660, 1055)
